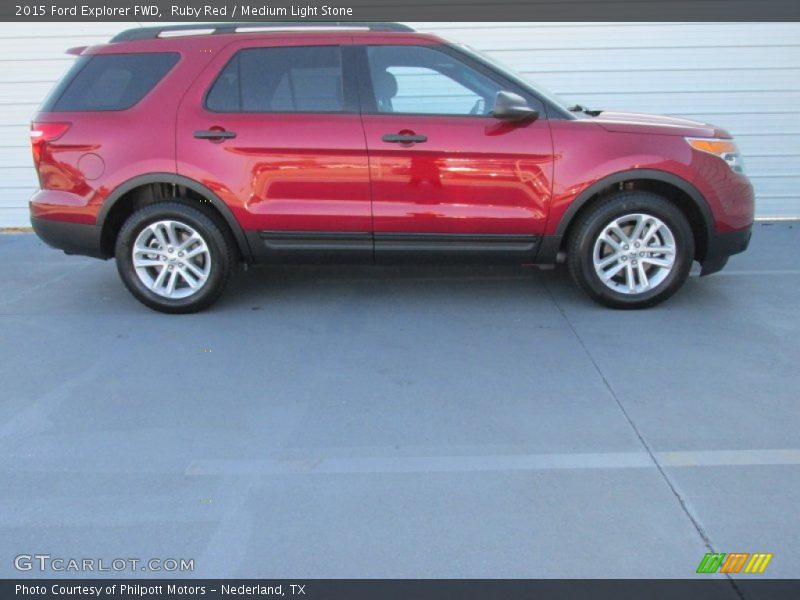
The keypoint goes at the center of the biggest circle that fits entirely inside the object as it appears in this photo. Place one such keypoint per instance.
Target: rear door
(447, 177)
(272, 127)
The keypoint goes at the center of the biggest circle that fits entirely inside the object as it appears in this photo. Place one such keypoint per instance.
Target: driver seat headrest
(385, 89)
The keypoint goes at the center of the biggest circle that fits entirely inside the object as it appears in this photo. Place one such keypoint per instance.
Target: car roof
(192, 29)
(207, 36)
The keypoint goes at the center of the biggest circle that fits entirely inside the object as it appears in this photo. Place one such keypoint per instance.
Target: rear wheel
(173, 258)
(632, 250)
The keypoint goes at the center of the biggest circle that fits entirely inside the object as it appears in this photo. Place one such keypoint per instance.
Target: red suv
(183, 150)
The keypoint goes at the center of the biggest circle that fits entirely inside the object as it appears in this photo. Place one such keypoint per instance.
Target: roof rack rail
(148, 33)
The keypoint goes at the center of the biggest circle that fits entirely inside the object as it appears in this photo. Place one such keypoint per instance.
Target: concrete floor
(408, 422)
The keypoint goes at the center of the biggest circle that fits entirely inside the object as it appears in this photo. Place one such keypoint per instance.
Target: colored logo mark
(735, 562)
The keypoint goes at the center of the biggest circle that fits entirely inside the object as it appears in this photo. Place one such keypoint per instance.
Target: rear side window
(109, 81)
(286, 79)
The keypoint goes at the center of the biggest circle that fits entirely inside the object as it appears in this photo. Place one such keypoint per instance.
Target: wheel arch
(143, 190)
(675, 188)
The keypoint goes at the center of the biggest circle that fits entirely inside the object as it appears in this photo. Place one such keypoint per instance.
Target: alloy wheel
(171, 259)
(634, 253)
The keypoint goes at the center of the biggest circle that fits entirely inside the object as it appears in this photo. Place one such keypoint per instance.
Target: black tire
(581, 248)
(219, 250)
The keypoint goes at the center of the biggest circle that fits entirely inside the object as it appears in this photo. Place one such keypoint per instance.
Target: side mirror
(511, 106)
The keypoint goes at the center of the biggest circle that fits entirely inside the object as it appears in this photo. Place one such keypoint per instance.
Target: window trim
(349, 101)
(51, 103)
(367, 96)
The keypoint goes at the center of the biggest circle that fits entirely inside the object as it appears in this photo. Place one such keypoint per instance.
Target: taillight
(48, 131)
(42, 134)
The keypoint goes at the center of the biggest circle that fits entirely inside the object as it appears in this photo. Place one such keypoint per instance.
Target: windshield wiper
(583, 109)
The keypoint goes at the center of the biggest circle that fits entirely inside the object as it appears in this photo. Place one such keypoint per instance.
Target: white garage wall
(742, 76)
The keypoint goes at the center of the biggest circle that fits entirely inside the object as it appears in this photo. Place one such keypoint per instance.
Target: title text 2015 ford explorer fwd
(181, 151)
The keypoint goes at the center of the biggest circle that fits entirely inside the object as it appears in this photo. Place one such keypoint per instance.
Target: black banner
(401, 10)
(403, 589)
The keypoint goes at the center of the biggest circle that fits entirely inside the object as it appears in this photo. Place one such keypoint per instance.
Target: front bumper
(722, 246)
(72, 238)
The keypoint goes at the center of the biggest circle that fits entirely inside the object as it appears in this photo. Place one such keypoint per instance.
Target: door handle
(404, 138)
(214, 134)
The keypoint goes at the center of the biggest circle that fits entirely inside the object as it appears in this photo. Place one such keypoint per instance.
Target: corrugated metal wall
(742, 76)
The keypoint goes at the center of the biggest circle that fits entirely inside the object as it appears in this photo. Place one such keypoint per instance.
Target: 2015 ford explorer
(181, 151)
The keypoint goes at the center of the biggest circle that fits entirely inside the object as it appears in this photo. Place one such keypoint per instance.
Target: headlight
(725, 149)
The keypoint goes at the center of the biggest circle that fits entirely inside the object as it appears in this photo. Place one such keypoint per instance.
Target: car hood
(625, 122)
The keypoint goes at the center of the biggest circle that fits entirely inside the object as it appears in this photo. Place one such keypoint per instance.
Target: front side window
(422, 80)
(286, 79)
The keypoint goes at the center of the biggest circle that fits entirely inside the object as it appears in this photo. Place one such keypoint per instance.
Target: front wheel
(632, 250)
(173, 258)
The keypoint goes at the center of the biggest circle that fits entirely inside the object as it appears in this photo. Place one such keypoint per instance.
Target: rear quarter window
(103, 82)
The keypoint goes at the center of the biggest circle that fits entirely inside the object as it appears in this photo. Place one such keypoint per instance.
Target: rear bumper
(72, 238)
(722, 246)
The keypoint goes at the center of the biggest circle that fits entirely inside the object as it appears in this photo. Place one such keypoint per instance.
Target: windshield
(516, 77)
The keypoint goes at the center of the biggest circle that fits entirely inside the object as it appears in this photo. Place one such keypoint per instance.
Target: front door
(447, 177)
